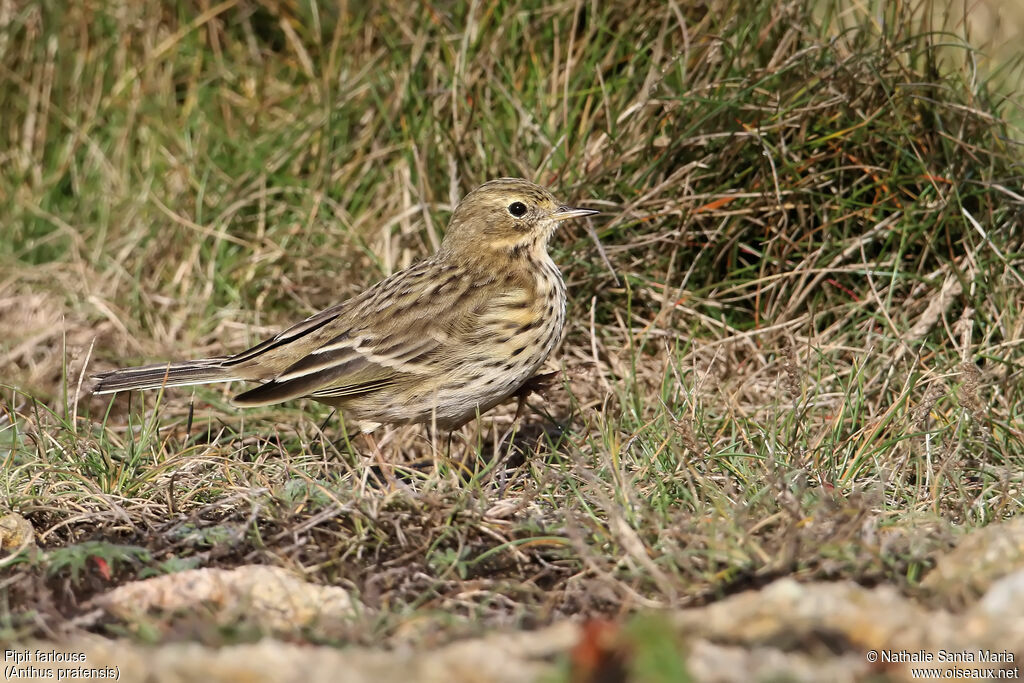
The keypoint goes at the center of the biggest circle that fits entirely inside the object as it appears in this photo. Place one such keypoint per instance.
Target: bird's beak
(564, 213)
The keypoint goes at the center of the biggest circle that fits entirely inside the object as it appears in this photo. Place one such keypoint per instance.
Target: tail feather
(156, 376)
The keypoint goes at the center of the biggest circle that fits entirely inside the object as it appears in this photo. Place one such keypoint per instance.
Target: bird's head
(506, 215)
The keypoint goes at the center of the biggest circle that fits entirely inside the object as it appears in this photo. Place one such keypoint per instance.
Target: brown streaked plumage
(441, 341)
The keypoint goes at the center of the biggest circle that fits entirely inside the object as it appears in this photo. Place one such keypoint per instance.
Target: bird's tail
(204, 371)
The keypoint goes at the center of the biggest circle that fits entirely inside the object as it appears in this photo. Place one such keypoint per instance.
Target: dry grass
(801, 354)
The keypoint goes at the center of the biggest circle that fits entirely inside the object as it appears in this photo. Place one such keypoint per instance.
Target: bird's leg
(449, 457)
(538, 384)
(441, 455)
(385, 469)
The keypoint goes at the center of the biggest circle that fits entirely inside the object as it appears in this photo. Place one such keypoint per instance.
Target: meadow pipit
(441, 341)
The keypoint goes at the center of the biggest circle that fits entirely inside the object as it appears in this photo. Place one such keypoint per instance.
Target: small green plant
(105, 557)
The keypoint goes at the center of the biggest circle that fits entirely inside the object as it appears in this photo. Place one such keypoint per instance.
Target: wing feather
(289, 336)
(376, 341)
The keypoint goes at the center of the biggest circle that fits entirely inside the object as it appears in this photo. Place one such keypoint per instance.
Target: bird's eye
(517, 209)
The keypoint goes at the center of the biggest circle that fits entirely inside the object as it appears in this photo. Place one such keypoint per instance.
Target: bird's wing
(400, 328)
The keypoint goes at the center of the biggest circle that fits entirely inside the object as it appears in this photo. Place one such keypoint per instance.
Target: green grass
(802, 356)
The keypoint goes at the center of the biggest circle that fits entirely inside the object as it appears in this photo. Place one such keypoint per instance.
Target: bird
(440, 342)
